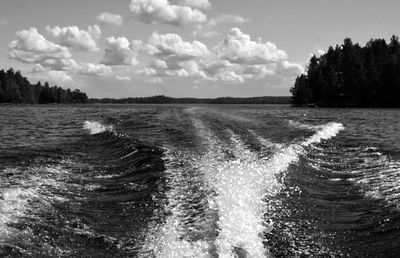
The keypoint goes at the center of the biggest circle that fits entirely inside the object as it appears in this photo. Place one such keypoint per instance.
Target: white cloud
(194, 69)
(227, 18)
(234, 60)
(172, 45)
(259, 71)
(54, 77)
(50, 59)
(208, 30)
(230, 76)
(59, 76)
(239, 48)
(161, 11)
(148, 71)
(158, 64)
(31, 47)
(119, 51)
(75, 38)
(206, 34)
(173, 57)
(292, 68)
(205, 4)
(31, 40)
(177, 73)
(94, 69)
(37, 68)
(110, 18)
(123, 78)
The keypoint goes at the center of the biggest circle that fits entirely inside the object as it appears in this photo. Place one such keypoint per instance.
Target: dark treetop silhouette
(350, 75)
(14, 88)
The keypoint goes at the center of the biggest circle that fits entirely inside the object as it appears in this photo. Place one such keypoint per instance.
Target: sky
(181, 48)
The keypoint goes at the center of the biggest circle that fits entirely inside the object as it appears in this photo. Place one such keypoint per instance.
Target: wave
(13, 204)
(26, 192)
(243, 185)
(96, 127)
(239, 187)
(185, 207)
(298, 125)
(378, 179)
(324, 132)
(369, 168)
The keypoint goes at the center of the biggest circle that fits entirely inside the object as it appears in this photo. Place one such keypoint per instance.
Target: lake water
(199, 181)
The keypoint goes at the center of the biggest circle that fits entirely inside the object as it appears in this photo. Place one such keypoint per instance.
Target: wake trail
(96, 127)
(243, 187)
(222, 199)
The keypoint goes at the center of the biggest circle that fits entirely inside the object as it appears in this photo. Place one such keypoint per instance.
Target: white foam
(168, 239)
(241, 186)
(13, 203)
(23, 195)
(324, 132)
(239, 192)
(96, 127)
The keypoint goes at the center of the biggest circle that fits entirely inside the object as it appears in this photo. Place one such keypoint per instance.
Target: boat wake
(96, 127)
(218, 201)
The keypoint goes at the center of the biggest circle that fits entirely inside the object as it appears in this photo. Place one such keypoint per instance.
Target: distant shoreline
(170, 100)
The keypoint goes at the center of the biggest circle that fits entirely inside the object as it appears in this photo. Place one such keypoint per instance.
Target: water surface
(199, 181)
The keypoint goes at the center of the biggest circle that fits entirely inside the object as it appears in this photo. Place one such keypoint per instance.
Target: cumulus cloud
(110, 18)
(45, 74)
(94, 69)
(148, 71)
(32, 48)
(205, 34)
(76, 38)
(172, 45)
(30, 40)
(208, 30)
(50, 59)
(230, 76)
(123, 78)
(161, 11)
(239, 48)
(236, 59)
(171, 56)
(292, 68)
(59, 76)
(119, 51)
(158, 64)
(227, 18)
(204, 4)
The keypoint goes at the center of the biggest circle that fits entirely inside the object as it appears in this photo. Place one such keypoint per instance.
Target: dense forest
(351, 75)
(169, 100)
(14, 88)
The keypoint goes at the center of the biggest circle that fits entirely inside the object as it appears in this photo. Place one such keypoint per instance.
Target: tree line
(351, 75)
(14, 88)
(161, 99)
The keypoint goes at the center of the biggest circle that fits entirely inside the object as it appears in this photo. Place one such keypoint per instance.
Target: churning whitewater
(198, 181)
(219, 203)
